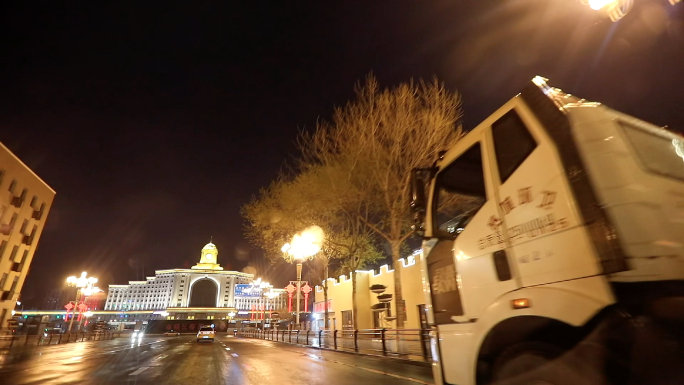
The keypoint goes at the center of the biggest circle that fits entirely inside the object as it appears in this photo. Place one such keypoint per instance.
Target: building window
(3, 246)
(13, 255)
(12, 186)
(2, 175)
(13, 220)
(14, 284)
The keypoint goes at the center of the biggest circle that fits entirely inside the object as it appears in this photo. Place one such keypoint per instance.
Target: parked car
(172, 333)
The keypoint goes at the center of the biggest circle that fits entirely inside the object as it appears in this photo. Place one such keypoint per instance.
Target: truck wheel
(529, 363)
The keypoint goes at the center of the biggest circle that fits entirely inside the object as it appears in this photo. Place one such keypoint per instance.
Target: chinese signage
(319, 308)
(244, 290)
(542, 223)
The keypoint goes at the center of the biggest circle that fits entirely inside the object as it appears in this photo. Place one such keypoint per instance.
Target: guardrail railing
(411, 344)
(7, 341)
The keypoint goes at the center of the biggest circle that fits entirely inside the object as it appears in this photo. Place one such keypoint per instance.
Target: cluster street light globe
(84, 287)
(264, 290)
(615, 9)
(303, 246)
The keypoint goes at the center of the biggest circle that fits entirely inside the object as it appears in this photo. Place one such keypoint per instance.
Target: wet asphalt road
(181, 360)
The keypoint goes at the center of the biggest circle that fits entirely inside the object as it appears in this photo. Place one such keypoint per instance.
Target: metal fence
(7, 341)
(413, 344)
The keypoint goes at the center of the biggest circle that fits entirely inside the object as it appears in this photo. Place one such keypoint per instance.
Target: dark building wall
(186, 326)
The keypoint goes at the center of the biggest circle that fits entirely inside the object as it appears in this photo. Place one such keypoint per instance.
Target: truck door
(467, 267)
(539, 218)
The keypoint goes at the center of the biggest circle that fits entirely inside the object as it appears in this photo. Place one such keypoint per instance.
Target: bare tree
(317, 196)
(375, 141)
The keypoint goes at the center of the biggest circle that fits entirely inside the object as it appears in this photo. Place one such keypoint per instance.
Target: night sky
(155, 123)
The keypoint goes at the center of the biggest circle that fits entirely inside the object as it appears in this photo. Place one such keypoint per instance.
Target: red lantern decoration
(306, 289)
(82, 308)
(290, 291)
(68, 308)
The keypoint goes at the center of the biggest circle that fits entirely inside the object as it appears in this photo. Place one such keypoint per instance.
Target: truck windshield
(659, 153)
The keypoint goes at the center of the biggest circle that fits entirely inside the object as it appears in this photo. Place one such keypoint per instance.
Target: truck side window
(513, 143)
(461, 191)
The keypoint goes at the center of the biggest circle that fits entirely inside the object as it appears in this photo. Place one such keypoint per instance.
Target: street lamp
(84, 286)
(264, 289)
(614, 9)
(304, 245)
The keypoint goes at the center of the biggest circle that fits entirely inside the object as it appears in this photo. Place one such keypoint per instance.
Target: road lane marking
(144, 368)
(162, 357)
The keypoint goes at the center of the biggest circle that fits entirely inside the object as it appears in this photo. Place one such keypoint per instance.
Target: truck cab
(554, 231)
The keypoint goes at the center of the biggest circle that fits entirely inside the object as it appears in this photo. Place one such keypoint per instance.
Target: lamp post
(265, 294)
(83, 285)
(87, 315)
(304, 245)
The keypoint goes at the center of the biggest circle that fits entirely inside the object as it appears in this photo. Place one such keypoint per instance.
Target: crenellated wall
(340, 292)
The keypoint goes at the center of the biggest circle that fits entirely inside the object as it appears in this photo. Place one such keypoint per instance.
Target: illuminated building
(204, 291)
(25, 201)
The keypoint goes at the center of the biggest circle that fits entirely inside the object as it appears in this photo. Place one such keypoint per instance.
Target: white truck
(553, 247)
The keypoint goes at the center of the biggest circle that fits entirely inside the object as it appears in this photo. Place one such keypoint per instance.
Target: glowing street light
(614, 9)
(303, 246)
(84, 286)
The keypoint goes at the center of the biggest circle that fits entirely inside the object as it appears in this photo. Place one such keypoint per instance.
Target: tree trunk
(326, 322)
(398, 294)
(355, 314)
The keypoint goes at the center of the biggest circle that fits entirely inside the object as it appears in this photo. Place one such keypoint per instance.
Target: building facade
(54, 300)
(25, 201)
(205, 290)
(340, 299)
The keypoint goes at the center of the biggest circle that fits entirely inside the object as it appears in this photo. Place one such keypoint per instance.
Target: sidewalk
(10, 342)
(405, 350)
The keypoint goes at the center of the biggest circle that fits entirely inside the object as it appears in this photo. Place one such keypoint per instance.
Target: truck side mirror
(417, 201)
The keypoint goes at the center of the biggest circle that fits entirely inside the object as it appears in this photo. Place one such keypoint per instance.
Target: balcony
(27, 239)
(18, 201)
(7, 295)
(17, 266)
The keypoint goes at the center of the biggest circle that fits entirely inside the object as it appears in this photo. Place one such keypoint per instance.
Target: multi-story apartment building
(25, 201)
